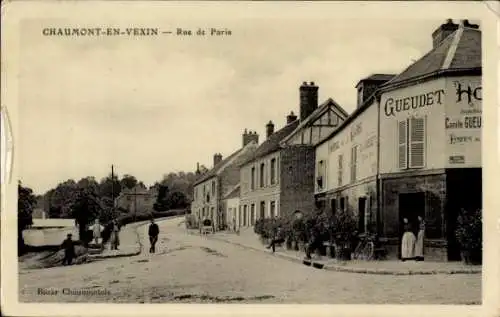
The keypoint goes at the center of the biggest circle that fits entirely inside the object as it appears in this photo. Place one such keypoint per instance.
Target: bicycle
(365, 250)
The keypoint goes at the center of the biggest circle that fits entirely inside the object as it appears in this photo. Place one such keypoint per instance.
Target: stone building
(278, 179)
(413, 148)
(212, 187)
(136, 200)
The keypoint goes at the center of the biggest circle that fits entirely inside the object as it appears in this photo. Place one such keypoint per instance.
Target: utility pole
(112, 190)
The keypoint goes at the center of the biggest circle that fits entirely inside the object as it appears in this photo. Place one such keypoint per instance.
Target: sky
(151, 106)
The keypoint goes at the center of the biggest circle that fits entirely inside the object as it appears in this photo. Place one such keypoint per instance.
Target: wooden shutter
(417, 142)
(402, 144)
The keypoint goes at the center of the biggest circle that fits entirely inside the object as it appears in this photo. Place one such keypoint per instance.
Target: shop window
(411, 143)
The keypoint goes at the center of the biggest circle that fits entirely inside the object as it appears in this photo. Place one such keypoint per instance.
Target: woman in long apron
(419, 245)
(408, 242)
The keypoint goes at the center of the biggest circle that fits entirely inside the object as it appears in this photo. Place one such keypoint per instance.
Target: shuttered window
(340, 169)
(417, 142)
(411, 143)
(402, 144)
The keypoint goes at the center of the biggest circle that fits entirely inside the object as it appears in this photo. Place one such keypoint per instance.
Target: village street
(188, 268)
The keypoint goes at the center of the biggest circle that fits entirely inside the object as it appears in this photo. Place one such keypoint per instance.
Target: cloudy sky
(156, 105)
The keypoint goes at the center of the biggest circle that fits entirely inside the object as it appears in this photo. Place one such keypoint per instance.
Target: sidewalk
(130, 243)
(248, 239)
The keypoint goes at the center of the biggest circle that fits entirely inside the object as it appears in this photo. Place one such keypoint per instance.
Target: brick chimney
(198, 172)
(291, 118)
(308, 99)
(269, 129)
(443, 32)
(217, 158)
(249, 136)
(467, 24)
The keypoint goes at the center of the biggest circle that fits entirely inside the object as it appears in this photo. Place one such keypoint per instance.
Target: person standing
(115, 237)
(419, 245)
(153, 232)
(276, 238)
(97, 229)
(69, 250)
(408, 242)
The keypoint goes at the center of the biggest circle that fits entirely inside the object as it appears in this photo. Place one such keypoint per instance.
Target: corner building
(413, 148)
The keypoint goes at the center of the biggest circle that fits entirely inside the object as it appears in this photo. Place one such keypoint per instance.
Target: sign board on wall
(463, 122)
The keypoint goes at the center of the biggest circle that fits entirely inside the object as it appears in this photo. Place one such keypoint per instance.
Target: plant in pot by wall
(343, 230)
(469, 235)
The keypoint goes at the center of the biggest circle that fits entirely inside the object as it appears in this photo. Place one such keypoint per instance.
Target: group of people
(97, 229)
(412, 247)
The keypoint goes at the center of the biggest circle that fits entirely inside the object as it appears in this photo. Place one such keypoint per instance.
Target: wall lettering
(466, 123)
(392, 106)
(470, 94)
(356, 130)
(334, 146)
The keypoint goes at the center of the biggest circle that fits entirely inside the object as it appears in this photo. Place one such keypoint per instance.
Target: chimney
(467, 24)
(197, 169)
(291, 118)
(217, 158)
(269, 129)
(308, 99)
(443, 32)
(249, 136)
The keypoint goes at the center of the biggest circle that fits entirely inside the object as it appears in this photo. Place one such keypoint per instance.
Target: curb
(338, 268)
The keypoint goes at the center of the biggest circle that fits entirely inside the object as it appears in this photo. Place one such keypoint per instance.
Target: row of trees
(88, 199)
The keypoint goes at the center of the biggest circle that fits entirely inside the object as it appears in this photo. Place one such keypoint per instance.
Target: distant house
(211, 188)
(137, 199)
(231, 205)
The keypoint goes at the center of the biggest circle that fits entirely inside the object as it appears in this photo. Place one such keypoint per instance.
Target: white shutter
(417, 142)
(402, 144)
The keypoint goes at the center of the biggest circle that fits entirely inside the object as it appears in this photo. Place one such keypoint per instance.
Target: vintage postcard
(281, 157)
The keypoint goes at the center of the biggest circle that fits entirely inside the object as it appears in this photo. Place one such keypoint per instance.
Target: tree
(128, 181)
(85, 208)
(25, 203)
(109, 188)
(161, 203)
(177, 200)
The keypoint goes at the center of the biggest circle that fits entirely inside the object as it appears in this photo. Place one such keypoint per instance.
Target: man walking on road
(69, 250)
(153, 232)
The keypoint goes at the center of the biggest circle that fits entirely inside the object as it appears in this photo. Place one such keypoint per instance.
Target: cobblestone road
(189, 268)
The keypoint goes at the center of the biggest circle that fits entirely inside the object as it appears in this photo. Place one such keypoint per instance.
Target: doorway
(361, 214)
(410, 207)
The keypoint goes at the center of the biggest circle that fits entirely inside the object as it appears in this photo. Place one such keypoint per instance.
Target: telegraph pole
(112, 190)
(135, 201)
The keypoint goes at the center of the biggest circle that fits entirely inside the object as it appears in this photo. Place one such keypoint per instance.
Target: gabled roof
(233, 193)
(217, 168)
(461, 50)
(377, 77)
(323, 108)
(272, 144)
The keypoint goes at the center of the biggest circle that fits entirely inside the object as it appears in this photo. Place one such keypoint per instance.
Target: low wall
(48, 236)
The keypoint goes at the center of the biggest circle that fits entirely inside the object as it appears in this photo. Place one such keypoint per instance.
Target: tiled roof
(272, 144)
(234, 193)
(460, 50)
(215, 170)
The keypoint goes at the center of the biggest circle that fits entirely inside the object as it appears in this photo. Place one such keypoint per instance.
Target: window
(342, 203)
(252, 214)
(320, 178)
(333, 206)
(354, 162)
(411, 143)
(273, 171)
(245, 215)
(262, 209)
(273, 209)
(340, 169)
(213, 188)
(252, 179)
(262, 174)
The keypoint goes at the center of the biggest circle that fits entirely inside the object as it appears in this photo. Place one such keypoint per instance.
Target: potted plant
(469, 235)
(343, 231)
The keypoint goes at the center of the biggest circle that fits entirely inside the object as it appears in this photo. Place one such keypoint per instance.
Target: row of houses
(411, 148)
